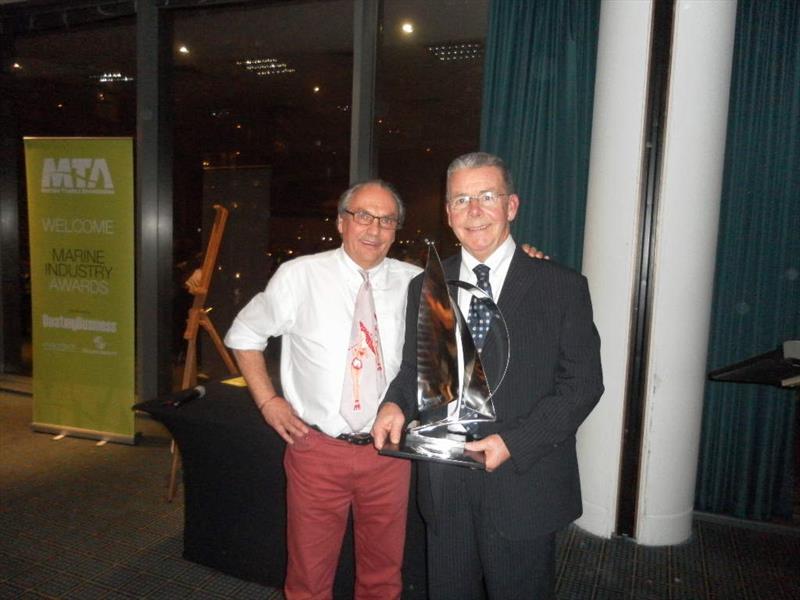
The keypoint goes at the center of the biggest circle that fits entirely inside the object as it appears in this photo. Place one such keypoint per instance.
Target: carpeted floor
(84, 521)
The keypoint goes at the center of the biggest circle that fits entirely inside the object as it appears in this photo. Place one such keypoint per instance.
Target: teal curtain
(537, 114)
(746, 455)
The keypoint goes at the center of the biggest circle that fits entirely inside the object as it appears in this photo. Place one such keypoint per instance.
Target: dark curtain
(537, 114)
(746, 454)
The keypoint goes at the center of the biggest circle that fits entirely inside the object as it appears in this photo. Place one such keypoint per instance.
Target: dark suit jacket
(553, 382)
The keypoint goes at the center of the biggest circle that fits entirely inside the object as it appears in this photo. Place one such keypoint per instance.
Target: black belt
(359, 439)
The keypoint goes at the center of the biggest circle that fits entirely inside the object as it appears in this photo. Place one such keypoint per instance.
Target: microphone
(180, 398)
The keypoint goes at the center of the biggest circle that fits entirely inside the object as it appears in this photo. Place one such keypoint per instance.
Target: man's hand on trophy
(494, 448)
(534, 252)
(388, 423)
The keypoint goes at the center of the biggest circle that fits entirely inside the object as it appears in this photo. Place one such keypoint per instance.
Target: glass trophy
(452, 392)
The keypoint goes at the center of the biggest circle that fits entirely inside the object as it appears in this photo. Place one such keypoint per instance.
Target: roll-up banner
(80, 216)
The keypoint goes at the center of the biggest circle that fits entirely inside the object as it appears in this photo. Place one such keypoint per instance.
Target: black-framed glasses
(363, 217)
(485, 199)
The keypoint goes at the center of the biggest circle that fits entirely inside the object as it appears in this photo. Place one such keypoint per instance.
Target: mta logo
(76, 175)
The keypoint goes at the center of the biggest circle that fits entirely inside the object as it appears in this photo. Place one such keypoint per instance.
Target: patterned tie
(364, 377)
(480, 315)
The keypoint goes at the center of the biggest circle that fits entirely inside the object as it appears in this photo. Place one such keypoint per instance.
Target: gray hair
(476, 160)
(347, 196)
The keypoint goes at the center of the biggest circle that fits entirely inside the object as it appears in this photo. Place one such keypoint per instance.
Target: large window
(428, 107)
(262, 127)
(60, 84)
(261, 105)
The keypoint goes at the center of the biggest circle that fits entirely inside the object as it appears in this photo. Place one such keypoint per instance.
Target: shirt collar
(503, 252)
(377, 274)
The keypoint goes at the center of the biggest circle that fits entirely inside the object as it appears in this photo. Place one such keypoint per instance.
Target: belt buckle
(359, 439)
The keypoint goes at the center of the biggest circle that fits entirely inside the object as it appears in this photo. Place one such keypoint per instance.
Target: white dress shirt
(498, 263)
(310, 302)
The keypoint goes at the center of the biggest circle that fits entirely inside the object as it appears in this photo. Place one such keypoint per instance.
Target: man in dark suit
(493, 532)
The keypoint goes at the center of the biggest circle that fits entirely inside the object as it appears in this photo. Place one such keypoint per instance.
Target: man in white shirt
(329, 467)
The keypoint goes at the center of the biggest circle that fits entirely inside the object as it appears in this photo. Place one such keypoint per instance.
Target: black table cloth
(234, 490)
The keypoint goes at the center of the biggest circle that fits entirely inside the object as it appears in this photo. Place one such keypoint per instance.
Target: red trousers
(324, 478)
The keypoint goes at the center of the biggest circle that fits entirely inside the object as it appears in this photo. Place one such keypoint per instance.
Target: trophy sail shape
(437, 350)
(440, 326)
(452, 391)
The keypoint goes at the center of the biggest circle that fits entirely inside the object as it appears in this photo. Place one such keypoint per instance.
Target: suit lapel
(515, 288)
(516, 284)
(452, 267)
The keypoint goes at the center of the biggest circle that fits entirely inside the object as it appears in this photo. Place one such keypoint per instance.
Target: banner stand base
(84, 433)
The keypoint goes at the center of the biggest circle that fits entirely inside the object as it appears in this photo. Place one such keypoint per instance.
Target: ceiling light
(16, 66)
(407, 27)
(457, 51)
(111, 77)
(183, 50)
(265, 66)
(316, 89)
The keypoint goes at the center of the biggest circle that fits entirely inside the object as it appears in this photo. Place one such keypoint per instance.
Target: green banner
(80, 215)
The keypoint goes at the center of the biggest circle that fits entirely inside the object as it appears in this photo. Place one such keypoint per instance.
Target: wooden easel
(198, 317)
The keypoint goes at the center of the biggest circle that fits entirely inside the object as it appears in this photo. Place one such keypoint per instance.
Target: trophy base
(434, 449)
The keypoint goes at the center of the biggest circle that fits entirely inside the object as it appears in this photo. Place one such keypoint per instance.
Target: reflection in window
(61, 85)
(262, 127)
(65, 87)
(428, 107)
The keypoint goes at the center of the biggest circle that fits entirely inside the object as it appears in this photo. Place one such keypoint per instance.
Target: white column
(684, 256)
(686, 239)
(609, 247)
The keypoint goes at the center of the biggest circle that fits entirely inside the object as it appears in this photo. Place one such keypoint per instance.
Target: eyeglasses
(362, 217)
(485, 199)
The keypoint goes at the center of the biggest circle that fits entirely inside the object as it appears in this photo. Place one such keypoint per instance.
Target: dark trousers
(468, 559)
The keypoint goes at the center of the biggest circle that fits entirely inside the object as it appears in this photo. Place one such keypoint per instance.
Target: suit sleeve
(403, 388)
(578, 383)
